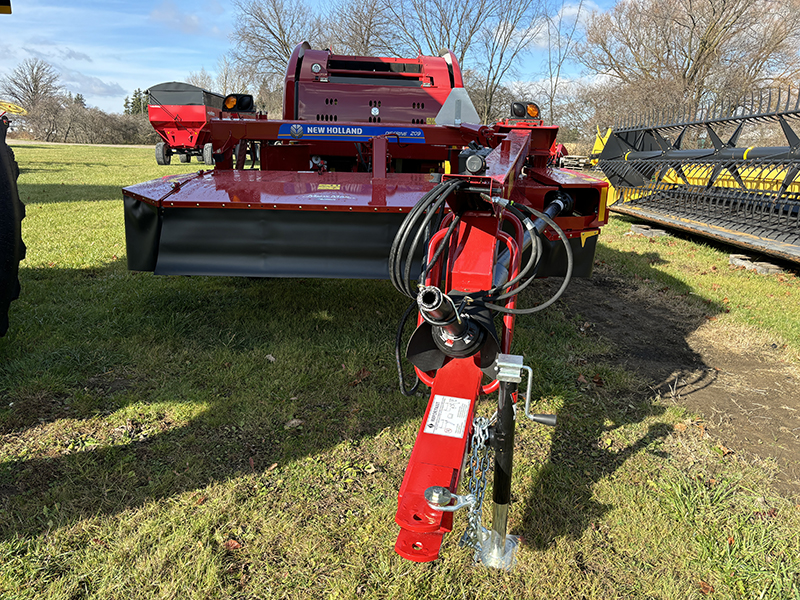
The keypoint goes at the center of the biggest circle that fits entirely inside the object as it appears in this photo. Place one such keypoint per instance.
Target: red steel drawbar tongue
(437, 459)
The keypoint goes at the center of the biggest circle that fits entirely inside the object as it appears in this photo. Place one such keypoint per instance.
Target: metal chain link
(476, 482)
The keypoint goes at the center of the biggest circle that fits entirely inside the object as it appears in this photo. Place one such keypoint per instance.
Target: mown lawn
(167, 437)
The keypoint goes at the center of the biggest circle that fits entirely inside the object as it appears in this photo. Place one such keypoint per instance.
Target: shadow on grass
(50, 193)
(131, 387)
(647, 331)
(156, 386)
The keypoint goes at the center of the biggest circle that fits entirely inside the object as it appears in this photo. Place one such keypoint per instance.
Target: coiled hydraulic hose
(567, 276)
(421, 220)
(417, 222)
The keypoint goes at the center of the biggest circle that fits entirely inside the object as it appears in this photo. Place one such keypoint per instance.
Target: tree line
(56, 115)
(640, 55)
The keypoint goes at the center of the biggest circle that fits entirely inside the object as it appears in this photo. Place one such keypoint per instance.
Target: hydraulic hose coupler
(563, 201)
(454, 334)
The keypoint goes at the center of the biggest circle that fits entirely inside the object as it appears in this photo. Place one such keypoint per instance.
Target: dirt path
(746, 392)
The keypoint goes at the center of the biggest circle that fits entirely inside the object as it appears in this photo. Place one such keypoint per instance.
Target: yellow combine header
(747, 196)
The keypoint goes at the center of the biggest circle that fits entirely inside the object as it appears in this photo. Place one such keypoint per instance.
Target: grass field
(167, 437)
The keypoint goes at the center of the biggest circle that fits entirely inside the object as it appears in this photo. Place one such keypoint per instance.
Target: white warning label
(448, 416)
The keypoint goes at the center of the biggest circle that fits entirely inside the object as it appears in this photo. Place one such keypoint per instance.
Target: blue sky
(106, 49)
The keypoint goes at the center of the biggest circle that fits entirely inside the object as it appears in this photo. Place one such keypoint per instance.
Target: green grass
(731, 295)
(144, 451)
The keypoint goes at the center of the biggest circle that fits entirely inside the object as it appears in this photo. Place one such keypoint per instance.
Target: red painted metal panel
(286, 190)
(329, 88)
(182, 126)
(437, 459)
(473, 260)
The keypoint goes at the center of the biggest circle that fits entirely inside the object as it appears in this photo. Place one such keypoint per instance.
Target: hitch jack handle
(510, 368)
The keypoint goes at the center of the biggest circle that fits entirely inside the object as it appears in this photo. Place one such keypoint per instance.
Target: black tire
(163, 154)
(12, 211)
(208, 154)
(184, 158)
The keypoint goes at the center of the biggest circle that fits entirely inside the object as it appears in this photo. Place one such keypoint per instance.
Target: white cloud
(213, 7)
(87, 85)
(169, 15)
(52, 53)
(575, 9)
(105, 50)
(70, 54)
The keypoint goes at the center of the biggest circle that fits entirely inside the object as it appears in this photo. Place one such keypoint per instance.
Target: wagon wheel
(208, 154)
(12, 211)
(184, 157)
(163, 153)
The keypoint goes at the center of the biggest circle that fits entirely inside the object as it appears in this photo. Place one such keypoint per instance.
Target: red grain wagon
(180, 114)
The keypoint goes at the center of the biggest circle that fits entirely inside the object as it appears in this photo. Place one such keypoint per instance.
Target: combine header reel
(743, 195)
(379, 168)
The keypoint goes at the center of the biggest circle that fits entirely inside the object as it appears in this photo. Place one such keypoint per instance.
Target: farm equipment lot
(204, 437)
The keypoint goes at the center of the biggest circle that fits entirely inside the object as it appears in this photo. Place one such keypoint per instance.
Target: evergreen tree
(136, 105)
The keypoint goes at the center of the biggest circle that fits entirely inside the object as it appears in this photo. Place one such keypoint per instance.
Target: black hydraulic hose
(420, 232)
(440, 249)
(402, 234)
(400, 237)
(538, 250)
(533, 260)
(361, 156)
(564, 284)
(398, 356)
(429, 203)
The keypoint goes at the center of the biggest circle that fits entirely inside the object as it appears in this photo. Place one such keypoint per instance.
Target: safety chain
(476, 482)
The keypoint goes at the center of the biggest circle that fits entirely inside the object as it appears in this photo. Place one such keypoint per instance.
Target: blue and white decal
(349, 133)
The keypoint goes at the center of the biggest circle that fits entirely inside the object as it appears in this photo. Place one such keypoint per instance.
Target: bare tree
(45, 119)
(31, 82)
(428, 26)
(267, 32)
(230, 79)
(563, 33)
(201, 79)
(74, 107)
(360, 28)
(689, 52)
(487, 36)
(503, 39)
(269, 95)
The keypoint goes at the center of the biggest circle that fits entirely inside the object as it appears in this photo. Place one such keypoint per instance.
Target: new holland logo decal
(350, 133)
